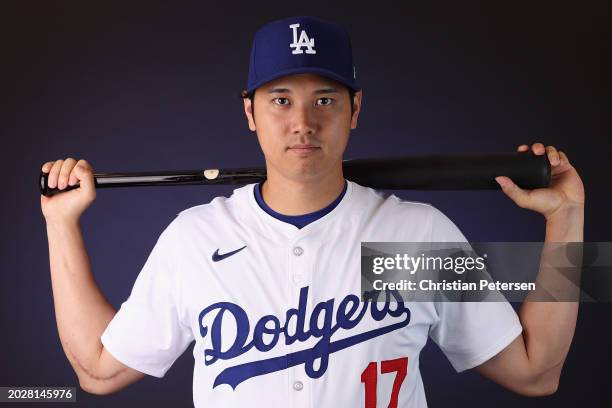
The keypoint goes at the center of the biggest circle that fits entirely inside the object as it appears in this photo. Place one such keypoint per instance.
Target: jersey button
(297, 278)
(297, 251)
(298, 386)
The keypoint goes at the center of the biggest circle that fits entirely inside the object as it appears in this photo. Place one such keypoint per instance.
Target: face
(303, 123)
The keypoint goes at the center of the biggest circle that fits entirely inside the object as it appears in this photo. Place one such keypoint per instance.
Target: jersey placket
(301, 257)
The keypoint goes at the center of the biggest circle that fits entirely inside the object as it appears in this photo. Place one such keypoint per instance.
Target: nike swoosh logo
(216, 257)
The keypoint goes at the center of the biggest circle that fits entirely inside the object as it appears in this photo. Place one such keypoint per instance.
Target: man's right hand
(69, 205)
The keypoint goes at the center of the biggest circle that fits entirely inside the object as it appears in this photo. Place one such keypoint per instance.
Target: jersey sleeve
(147, 334)
(469, 333)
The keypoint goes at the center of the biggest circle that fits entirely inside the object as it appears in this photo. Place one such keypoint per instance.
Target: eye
(281, 101)
(324, 101)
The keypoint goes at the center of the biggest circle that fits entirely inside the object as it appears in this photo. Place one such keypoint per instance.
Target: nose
(303, 121)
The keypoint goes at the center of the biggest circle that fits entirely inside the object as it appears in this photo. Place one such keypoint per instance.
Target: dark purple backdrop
(145, 87)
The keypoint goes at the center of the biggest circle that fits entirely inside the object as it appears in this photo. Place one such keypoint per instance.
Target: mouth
(303, 149)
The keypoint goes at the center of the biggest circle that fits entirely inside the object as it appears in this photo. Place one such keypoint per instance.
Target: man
(267, 281)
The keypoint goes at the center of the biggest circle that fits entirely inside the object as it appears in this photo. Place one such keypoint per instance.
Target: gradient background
(142, 86)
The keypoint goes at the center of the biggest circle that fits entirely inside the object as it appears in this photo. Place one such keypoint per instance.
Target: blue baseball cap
(298, 45)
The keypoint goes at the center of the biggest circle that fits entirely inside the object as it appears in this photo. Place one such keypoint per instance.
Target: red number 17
(370, 374)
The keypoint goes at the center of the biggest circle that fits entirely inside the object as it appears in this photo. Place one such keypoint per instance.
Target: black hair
(244, 94)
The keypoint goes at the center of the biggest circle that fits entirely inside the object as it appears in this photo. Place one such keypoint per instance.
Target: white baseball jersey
(275, 311)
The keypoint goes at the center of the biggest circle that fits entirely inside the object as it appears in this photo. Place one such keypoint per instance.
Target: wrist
(566, 224)
(568, 211)
(59, 223)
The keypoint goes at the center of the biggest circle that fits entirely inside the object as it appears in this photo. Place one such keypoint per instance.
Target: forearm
(82, 312)
(548, 327)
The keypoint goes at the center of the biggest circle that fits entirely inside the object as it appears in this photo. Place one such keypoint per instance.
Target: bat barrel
(450, 172)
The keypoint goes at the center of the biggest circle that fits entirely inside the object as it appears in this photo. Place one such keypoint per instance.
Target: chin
(304, 169)
(305, 172)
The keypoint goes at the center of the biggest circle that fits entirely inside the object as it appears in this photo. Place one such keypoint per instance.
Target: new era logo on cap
(287, 47)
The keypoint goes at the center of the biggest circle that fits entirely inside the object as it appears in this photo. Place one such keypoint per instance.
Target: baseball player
(267, 281)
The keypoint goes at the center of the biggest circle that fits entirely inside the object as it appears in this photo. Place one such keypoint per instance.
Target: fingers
(73, 177)
(84, 163)
(551, 152)
(46, 167)
(84, 174)
(54, 173)
(62, 173)
(553, 155)
(516, 194)
(562, 166)
(538, 148)
(67, 166)
(563, 157)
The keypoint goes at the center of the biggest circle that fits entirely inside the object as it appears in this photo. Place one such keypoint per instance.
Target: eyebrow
(318, 91)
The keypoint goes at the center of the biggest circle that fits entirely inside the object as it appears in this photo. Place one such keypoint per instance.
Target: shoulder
(386, 209)
(383, 203)
(218, 207)
(220, 213)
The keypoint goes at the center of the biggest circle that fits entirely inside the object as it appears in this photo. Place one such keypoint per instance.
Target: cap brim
(304, 70)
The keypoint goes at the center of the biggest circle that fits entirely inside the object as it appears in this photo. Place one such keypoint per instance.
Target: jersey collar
(289, 231)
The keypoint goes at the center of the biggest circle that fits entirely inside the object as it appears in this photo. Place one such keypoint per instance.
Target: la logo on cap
(304, 41)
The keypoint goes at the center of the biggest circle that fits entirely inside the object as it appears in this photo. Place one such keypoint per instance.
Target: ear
(248, 110)
(357, 108)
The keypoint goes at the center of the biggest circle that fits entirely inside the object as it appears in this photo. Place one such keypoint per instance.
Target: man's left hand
(565, 191)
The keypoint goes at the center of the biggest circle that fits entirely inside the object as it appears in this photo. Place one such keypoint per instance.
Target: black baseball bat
(433, 172)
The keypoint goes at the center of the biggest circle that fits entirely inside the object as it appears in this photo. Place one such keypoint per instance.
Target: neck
(291, 197)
